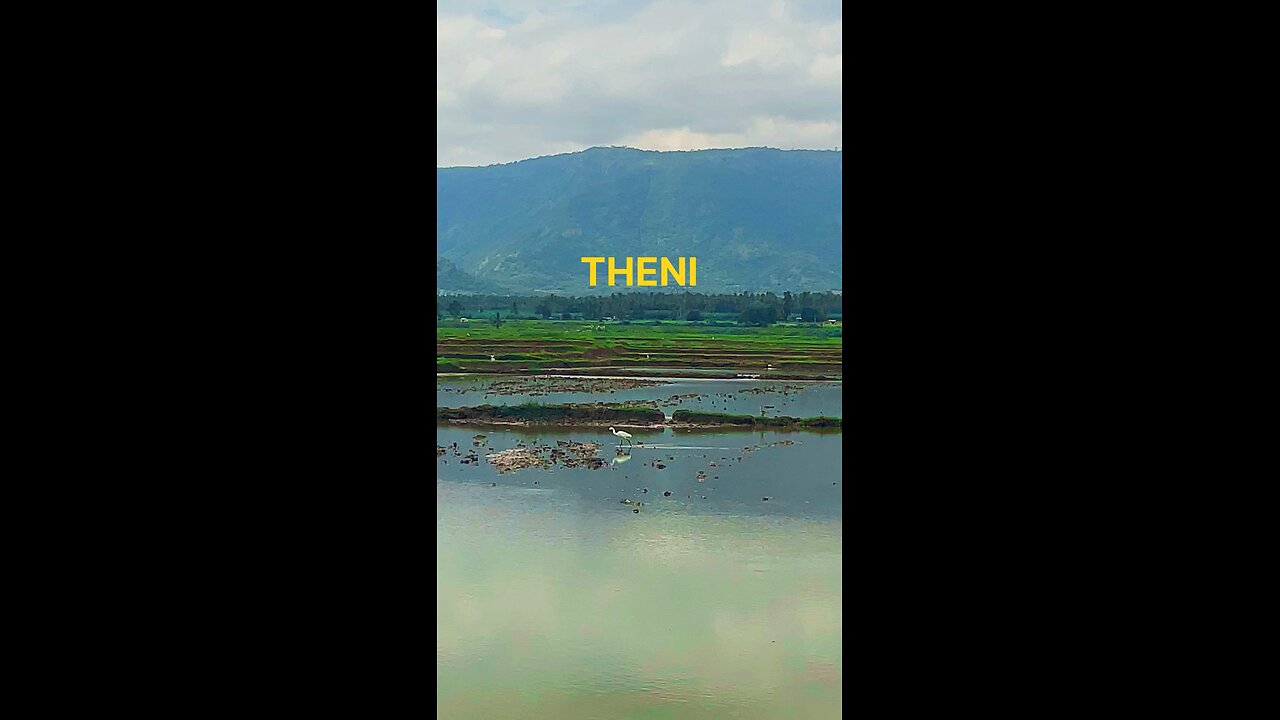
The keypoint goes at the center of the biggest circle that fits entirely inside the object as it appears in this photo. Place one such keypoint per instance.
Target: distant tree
(566, 315)
(695, 315)
(759, 314)
(645, 306)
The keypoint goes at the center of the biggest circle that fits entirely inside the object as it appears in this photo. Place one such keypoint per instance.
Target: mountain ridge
(757, 219)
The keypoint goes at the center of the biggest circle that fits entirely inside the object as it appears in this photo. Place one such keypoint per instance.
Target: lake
(555, 600)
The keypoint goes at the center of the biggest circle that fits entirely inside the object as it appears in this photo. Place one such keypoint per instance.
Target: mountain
(450, 279)
(756, 218)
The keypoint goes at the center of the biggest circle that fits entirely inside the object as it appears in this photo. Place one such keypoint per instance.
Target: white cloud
(681, 139)
(760, 131)
(520, 79)
(767, 49)
(475, 72)
(828, 68)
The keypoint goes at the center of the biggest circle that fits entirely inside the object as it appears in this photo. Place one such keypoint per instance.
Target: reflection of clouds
(820, 619)
(738, 539)
(553, 598)
(791, 627)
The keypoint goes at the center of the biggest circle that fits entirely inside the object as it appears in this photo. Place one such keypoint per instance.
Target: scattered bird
(623, 435)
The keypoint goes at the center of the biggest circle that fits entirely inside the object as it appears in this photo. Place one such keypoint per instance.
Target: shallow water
(801, 479)
(788, 397)
(554, 600)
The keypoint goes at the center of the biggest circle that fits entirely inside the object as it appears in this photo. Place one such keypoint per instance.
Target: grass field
(541, 345)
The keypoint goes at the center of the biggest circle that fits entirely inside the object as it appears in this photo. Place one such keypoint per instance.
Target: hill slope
(756, 218)
(450, 279)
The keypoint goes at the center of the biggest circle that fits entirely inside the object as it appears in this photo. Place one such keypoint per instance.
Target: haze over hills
(757, 219)
(449, 278)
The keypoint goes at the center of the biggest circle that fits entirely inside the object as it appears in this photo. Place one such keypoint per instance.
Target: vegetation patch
(609, 348)
(537, 413)
(709, 418)
(621, 415)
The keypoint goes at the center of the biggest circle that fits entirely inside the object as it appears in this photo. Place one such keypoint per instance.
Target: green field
(538, 345)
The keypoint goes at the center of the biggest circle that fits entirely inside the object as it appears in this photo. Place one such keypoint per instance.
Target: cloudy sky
(521, 78)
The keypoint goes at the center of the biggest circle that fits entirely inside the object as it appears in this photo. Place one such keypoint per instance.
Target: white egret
(624, 435)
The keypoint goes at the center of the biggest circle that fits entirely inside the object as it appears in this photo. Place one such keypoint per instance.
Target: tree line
(753, 308)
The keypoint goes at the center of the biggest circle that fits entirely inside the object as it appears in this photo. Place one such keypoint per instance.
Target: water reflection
(548, 608)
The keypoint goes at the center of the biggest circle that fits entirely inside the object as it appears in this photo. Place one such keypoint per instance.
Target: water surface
(739, 397)
(556, 601)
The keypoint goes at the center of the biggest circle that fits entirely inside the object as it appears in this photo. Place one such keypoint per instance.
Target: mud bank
(532, 413)
(445, 370)
(644, 418)
(546, 384)
(567, 454)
